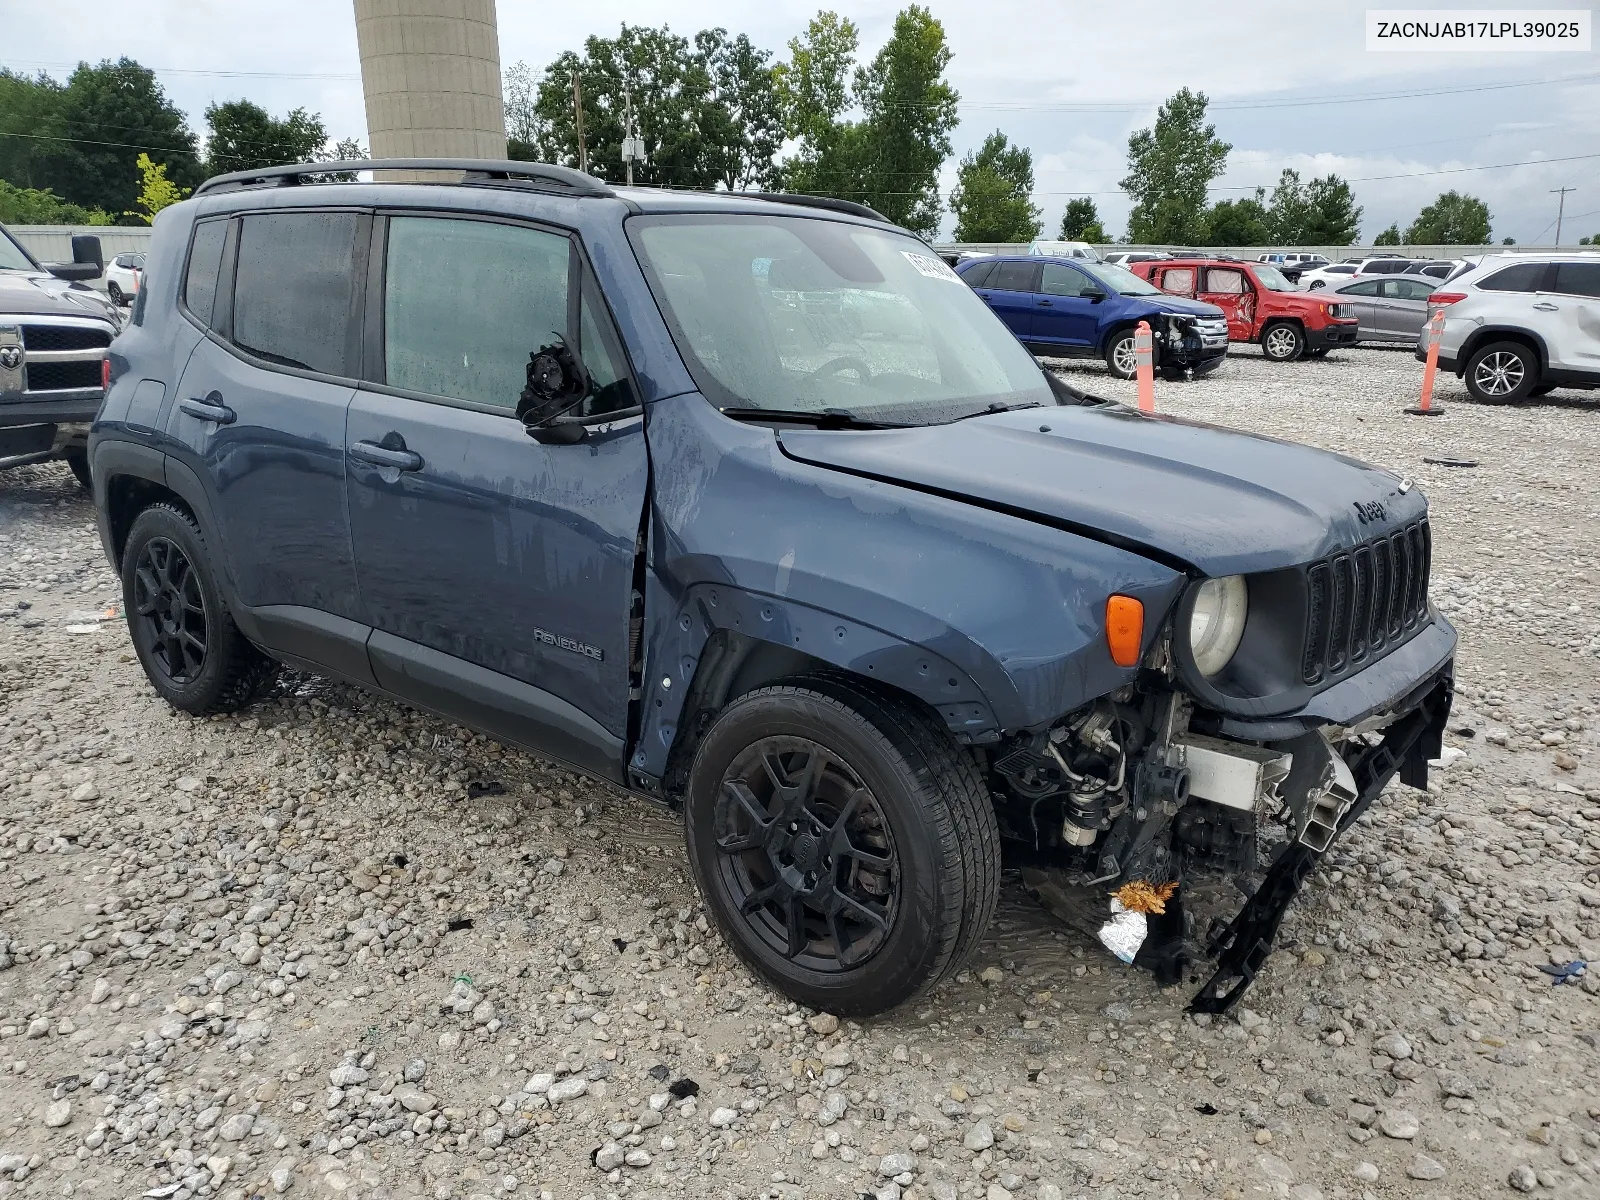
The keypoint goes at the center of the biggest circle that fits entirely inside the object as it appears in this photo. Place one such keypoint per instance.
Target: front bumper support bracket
(1242, 945)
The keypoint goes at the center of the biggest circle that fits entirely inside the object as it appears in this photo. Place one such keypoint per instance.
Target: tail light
(1440, 299)
(105, 374)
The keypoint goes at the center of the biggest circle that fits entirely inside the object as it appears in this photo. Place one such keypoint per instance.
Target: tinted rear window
(293, 288)
(1577, 279)
(205, 259)
(975, 275)
(1013, 277)
(1523, 277)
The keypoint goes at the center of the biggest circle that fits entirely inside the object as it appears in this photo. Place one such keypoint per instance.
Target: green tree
(1389, 237)
(519, 98)
(1583, 241)
(992, 201)
(743, 120)
(84, 137)
(156, 191)
(244, 136)
(1080, 222)
(1508, 241)
(1244, 222)
(1170, 166)
(1322, 212)
(30, 206)
(814, 88)
(1454, 219)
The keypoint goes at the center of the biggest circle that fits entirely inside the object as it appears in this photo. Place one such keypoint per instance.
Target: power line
(218, 74)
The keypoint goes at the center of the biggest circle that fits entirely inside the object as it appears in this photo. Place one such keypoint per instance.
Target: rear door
(1062, 314)
(259, 418)
(1229, 289)
(1575, 291)
(1010, 291)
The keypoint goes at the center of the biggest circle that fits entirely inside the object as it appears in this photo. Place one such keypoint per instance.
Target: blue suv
(748, 506)
(1065, 307)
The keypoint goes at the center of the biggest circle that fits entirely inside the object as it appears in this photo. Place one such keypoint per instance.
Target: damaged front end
(1134, 796)
(1187, 343)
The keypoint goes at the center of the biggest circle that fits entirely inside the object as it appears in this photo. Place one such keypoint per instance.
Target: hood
(39, 294)
(1194, 496)
(1178, 304)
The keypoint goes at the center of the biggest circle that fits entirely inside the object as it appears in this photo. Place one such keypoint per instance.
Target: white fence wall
(53, 243)
(1333, 253)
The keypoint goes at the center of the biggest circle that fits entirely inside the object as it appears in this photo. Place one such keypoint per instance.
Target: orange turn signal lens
(1124, 629)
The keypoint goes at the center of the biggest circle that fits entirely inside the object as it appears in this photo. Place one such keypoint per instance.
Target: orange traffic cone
(1145, 370)
(1425, 407)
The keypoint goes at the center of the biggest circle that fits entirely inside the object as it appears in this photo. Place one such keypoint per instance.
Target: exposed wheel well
(129, 495)
(732, 665)
(1297, 322)
(1483, 337)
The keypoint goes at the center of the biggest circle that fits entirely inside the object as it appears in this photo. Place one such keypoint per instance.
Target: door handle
(1046, 304)
(1545, 306)
(209, 409)
(383, 456)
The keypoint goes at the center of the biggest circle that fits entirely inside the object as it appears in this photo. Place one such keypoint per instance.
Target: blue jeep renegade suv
(750, 506)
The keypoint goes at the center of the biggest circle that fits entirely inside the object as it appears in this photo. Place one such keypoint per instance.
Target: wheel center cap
(806, 851)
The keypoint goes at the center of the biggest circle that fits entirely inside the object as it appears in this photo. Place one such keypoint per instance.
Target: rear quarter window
(200, 277)
(977, 274)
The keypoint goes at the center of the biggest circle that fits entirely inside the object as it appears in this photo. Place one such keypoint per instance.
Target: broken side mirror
(1092, 295)
(557, 382)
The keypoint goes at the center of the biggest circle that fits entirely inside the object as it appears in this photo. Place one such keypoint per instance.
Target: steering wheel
(847, 362)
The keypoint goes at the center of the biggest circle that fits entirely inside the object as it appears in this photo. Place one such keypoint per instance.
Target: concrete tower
(430, 70)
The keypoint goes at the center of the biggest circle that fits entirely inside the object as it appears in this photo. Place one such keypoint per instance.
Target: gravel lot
(336, 948)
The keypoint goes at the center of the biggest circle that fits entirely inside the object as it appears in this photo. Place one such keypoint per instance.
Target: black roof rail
(826, 202)
(473, 171)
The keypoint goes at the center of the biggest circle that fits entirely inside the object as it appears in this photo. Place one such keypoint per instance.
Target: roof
(545, 178)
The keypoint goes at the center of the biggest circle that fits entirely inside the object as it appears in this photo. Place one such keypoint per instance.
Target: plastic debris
(83, 629)
(1568, 972)
(1125, 932)
(1451, 462)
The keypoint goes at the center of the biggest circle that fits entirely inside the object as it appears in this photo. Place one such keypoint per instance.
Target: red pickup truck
(1261, 305)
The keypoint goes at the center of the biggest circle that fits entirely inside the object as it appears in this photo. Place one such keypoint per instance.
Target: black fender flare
(1514, 333)
(676, 658)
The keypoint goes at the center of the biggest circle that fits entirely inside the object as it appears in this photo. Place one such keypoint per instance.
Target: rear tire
(1544, 389)
(1282, 342)
(115, 292)
(191, 651)
(1502, 373)
(78, 461)
(844, 843)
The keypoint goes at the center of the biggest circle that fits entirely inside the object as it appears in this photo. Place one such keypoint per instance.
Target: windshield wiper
(827, 418)
(998, 407)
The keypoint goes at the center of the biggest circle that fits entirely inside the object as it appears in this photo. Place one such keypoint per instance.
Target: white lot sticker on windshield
(933, 268)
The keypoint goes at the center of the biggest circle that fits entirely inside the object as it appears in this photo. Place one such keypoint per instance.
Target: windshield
(801, 314)
(12, 257)
(1119, 279)
(1270, 279)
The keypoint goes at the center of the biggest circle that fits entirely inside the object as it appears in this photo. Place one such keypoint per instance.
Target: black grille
(1364, 602)
(64, 337)
(55, 376)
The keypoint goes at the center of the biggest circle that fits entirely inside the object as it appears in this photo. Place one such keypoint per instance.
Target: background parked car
(1062, 307)
(1521, 325)
(1123, 258)
(1260, 304)
(124, 273)
(1329, 276)
(1064, 250)
(1303, 259)
(1390, 308)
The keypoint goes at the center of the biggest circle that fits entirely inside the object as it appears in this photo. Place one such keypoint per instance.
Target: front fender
(994, 620)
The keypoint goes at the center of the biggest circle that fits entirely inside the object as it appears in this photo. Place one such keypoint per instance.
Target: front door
(1009, 290)
(1229, 289)
(260, 408)
(497, 572)
(1062, 314)
(1403, 308)
(1364, 305)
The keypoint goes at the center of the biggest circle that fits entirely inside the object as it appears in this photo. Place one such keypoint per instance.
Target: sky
(1291, 85)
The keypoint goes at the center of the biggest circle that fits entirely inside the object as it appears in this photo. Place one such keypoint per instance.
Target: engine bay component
(1232, 774)
(1318, 791)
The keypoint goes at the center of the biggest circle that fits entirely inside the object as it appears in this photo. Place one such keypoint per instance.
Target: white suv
(1520, 325)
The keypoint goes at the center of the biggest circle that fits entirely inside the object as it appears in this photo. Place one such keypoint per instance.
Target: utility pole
(1561, 208)
(577, 112)
(632, 143)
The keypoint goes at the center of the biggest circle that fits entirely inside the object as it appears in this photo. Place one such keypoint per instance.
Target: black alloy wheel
(806, 854)
(168, 600)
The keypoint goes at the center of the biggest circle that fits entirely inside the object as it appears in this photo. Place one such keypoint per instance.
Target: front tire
(1121, 359)
(846, 847)
(191, 651)
(1502, 373)
(1283, 342)
(78, 462)
(115, 292)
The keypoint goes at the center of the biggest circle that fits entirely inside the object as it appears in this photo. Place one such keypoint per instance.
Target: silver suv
(1521, 325)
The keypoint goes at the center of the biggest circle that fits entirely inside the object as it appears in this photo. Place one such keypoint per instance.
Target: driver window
(601, 351)
(1225, 282)
(1179, 281)
(1366, 288)
(1065, 281)
(466, 302)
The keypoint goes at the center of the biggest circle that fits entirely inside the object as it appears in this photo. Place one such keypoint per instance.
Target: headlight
(1217, 622)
